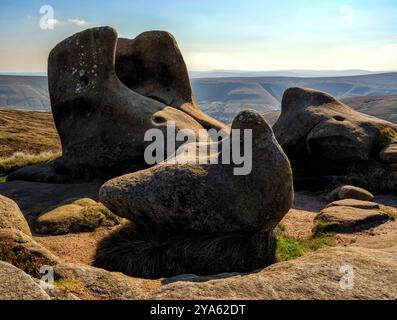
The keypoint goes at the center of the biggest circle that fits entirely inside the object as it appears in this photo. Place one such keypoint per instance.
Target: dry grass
(20, 159)
(27, 131)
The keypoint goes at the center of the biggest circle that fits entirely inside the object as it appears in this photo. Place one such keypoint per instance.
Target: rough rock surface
(22, 251)
(360, 204)
(149, 88)
(350, 192)
(77, 216)
(88, 282)
(349, 219)
(324, 137)
(152, 65)
(315, 276)
(210, 197)
(11, 216)
(17, 285)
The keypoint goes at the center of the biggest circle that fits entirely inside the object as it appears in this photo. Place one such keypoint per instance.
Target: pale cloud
(54, 22)
(77, 22)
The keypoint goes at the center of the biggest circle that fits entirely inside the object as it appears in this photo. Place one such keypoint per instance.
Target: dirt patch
(299, 221)
(75, 248)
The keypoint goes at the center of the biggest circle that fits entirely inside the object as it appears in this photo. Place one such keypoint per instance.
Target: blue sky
(218, 34)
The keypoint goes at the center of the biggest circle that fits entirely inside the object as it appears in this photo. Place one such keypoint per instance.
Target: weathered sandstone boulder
(106, 93)
(203, 218)
(348, 219)
(360, 204)
(25, 253)
(89, 282)
(210, 197)
(324, 137)
(12, 217)
(332, 273)
(350, 192)
(17, 285)
(80, 215)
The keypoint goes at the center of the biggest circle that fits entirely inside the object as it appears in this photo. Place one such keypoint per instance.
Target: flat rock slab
(34, 198)
(94, 283)
(360, 204)
(17, 285)
(349, 219)
(320, 275)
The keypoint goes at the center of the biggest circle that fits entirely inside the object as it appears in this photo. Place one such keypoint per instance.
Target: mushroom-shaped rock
(211, 197)
(322, 136)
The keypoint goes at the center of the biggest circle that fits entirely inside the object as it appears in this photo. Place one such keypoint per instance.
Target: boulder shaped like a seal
(210, 197)
(189, 216)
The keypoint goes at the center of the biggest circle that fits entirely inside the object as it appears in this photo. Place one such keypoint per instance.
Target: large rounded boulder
(106, 93)
(198, 214)
(324, 137)
(210, 197)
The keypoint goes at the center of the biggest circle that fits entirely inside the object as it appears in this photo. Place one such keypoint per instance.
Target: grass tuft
(289, 248)
(97, 215)
(20, 159)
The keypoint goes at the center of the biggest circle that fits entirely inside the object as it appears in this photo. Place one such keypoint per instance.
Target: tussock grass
(20, 159)
(144, 252)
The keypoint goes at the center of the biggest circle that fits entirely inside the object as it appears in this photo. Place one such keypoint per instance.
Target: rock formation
(75, 216)
(314, 276)
(210, 197)
(11, 216)
(324, 137)
(188, 215)
(106, 93)
(350, 192)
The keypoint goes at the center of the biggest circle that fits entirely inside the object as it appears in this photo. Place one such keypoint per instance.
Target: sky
(252, 35)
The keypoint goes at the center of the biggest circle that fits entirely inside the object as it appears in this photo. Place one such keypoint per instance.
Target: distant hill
(223, 98)
(279, 73)
(24, 92)
(384, 107)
